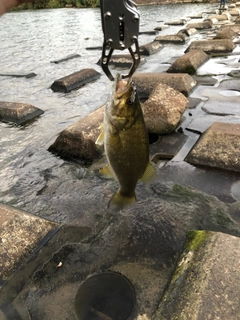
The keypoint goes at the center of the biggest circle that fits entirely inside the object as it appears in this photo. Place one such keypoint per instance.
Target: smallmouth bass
(126, 144)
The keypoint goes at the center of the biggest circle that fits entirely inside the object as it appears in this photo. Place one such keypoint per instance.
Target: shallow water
(29, 40)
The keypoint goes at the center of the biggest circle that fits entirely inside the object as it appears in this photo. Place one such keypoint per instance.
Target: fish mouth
(121, 86)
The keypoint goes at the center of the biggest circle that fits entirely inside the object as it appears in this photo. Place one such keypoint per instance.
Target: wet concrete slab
(75, 80)
(206, 269)
(218, 147)
(19, 113)
(20, 235)
(189, 62)
(66, 58)
(18, 74)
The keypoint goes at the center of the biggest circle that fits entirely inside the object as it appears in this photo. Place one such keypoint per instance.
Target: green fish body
(126, 143)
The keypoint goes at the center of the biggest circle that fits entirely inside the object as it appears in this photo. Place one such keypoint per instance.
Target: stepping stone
(189, 62)
(176, 23)
(219, 147)
(122, 60)
(19, 113)
(150, 48)
(75, 80)
(226, 33)
(18, 75)
(171, 38)
(71, 56)
(201, 25)
(151, 32)
(21, 234)
(188, 31)
(206, 282)
(78, 141)
(94, 48)
(212, 46)
(145, 82)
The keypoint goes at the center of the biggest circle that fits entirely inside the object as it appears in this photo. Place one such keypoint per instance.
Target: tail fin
(118, 201)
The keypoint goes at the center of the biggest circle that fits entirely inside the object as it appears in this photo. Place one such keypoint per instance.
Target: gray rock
(77, 142)
(189, 62)
(145, 82)
(18, 74)
(219, 147)
(20, 234)
(75, 80)
(69, 57)
(19, 113)
(201, 25)
(122, 60)
(212, 46)
(226, 33)
(206, 282)
(171, 38)
(150, 48)
(188, 31)
(163, 109)
(176, 23)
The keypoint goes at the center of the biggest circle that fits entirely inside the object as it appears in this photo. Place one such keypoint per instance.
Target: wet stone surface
(144, 242)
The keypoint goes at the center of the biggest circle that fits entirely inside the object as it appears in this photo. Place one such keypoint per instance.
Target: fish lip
(127, 84)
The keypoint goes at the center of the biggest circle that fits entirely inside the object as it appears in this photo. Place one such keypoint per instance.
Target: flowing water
(29, 41)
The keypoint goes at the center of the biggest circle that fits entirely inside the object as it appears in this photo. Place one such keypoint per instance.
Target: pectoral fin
(149, 173)
(107, 171)
(100, 138)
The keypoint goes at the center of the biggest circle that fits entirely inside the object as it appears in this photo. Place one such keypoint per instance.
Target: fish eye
(130, 101)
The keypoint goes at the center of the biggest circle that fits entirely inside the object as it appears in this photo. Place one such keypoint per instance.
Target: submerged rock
(75, 80)
(19, 113)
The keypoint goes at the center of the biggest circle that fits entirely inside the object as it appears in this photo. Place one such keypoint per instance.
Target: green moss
(222, 219)
(188, 194)
(195, 238)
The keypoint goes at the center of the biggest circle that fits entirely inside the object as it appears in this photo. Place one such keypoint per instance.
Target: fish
(126, 144)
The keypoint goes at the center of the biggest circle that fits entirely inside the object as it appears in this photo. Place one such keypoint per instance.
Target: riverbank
(54, 4)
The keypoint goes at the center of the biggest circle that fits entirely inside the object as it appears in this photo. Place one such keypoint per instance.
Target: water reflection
(29, 41)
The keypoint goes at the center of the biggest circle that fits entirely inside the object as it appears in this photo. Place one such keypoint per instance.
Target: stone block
(234, 27)
(150, 33)
(75, 80)
(78, 141)
(212, 46)
(226, 33)
(18, 74)
(206, 283)
(19, 113)
(201, 25)
(163, 109)
(180, 22)
(189, 62)
(188, 31)
(69, 57)
(145, 82)
(171, 38)
(150, 48)
(219, 147)
(20, 234)
(122, 60)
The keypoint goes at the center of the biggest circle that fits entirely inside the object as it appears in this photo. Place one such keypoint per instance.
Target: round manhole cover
(105, 296)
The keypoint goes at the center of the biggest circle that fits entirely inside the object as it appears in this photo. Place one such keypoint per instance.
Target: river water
(29, 41)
